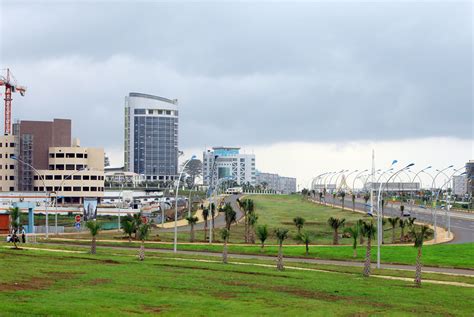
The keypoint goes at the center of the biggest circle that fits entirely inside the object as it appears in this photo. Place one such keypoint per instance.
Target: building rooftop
(138, 94)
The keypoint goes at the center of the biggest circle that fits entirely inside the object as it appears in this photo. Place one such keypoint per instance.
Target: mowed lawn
(78, 284)
(278, 211)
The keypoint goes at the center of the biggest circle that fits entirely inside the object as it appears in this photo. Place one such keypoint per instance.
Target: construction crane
(11, 86)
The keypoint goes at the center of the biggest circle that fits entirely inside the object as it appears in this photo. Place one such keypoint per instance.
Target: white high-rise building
(151, 137)
(460, 185)
(221, 162)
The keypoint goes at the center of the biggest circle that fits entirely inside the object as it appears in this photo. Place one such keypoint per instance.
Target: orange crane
(10, 87)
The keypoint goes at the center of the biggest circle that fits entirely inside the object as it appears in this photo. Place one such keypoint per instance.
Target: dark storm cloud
(248, 73)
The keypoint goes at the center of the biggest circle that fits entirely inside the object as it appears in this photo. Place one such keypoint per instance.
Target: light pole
(433, 204)
(329, 175)
(413, 182)
(56, 198)
(335, 185)
(14, 157)
(176, 205)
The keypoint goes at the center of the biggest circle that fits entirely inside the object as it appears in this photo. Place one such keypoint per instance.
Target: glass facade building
(151, 137)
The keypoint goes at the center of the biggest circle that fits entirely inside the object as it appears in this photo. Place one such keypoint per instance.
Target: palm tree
(281, 234)
(353, 202)
(230, 215)
(355, 233)
(143, 232)
(15, 224)
(248, 208)
(393, 222)
(262, 234)
(253, 217)
(335, 223)
(402, 223)
(94, 228)
(128, 227)
(343, 195)
(213, 213)
(137, 219)
(360, 224)
(411, 222)
(320, 197)
(368, 230)
(419, 238)
(306, 238)
(366, 198)
(205, 215)
(192, 221)
(225, 233)
(299, 223)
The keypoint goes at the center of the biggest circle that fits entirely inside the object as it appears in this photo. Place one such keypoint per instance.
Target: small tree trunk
(212, 220)
(192, 233)
(342, 203)
(93, 245)
(361, 240)
(130, 238)
(141, 253)
(335, 238)
(224, 252)
(393, 235)
(246, 233)
(307, 248)
(401, 235)
(262, 245)
(280, 266)
(353, 205)
(418, 269)
(205, 230)
(367, 259)
(355, 252)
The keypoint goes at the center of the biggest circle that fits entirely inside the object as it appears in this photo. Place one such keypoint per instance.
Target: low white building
(222, 162)
(280, 184)
(460, 185)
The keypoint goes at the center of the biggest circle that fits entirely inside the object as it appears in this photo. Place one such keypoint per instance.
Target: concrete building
(8, 166)
(151, 137)
(223, 162)
(280, 184)
(460, 185)
(394, 186)
(48, 161)
(470, 177)
(117, 177)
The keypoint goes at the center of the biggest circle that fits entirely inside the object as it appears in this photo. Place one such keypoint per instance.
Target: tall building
(151, 137)
(8, 167)
(48, 161)
(470, 177)
(223, 162)
(460, 185)
(280, 184)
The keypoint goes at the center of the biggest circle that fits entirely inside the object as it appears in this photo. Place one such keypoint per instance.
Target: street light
(335, 186)
(176, 205)
(14, 157)
(433, 204)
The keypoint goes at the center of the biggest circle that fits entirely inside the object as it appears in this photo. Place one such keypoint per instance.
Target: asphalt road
(462, 224)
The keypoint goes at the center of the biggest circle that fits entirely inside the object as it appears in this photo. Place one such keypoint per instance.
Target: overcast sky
(295, 83)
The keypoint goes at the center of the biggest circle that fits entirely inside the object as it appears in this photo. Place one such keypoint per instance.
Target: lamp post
(413, 181)
(335, 186)
(175, 246)
(329, 175)
(433, 204)
(14, 157)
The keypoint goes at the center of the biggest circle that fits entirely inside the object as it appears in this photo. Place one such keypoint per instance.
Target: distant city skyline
(303, 86)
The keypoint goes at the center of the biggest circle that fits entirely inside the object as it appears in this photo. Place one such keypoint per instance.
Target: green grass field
(115, 283)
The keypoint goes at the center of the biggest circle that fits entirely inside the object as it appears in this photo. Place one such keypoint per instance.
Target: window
(67, 188)
(150, 111)
(80, 155)
(70, 167)
(168, 112)
(93, 189)
(48, 177)
(77, 188)
(85, 188)
(93, 177)
(12, 167)
(59, 155)
(70, 155)
(85, 155)
(11, 155)
(58, 177)
(60, 167)
(85, 177)
(49, 188)
(12, 189)
(12, 144)
(76, 177)
(51, 155)
(140, 111)
(12, 178)
(51, 167)
(79, 166)
(35, 177)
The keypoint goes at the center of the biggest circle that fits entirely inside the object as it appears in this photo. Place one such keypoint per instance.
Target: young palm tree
(419, 237)
(335, 223)
(225, 233)
(15, 224)
(137, 218)
(320, 197)
(299, 223)
(128, 228)
(393, 222)
(343, 195)
(248, 208)
(230, 215)
(212, 214)
(366, 198)
(143, 232)
(353, 202)
(360, 224)
(368, 230)
(94, 228)
(192, 220)
(205, 215)
(281, 235)
(411, 222)
(253, 217)
(355, 233)
(262, 234)
(402, 223)
(306, 238)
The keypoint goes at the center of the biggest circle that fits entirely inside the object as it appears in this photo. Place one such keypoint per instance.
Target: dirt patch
(224, 295)
(36, 283)
(154, 309)
(98, 281)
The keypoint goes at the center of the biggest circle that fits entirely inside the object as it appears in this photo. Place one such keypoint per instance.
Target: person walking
(23, 235)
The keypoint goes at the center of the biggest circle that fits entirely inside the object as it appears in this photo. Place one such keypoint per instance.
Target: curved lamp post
(175, 246)
(14, 157)
(433, 204)
(335, 185)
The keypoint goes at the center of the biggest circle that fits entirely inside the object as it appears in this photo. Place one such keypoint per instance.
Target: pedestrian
(23, 235)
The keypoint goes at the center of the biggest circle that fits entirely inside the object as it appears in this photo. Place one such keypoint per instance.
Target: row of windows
(67, 167)
(7, 155)
(156, 112)
(69, 189)
(68, 155)
(7, 166)
(12, 189)
(74, 177)
(12, 144)
(7, 177)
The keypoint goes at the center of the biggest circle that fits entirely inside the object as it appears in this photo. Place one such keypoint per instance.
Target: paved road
(462, 224)
(426, 269)
(219, 220)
